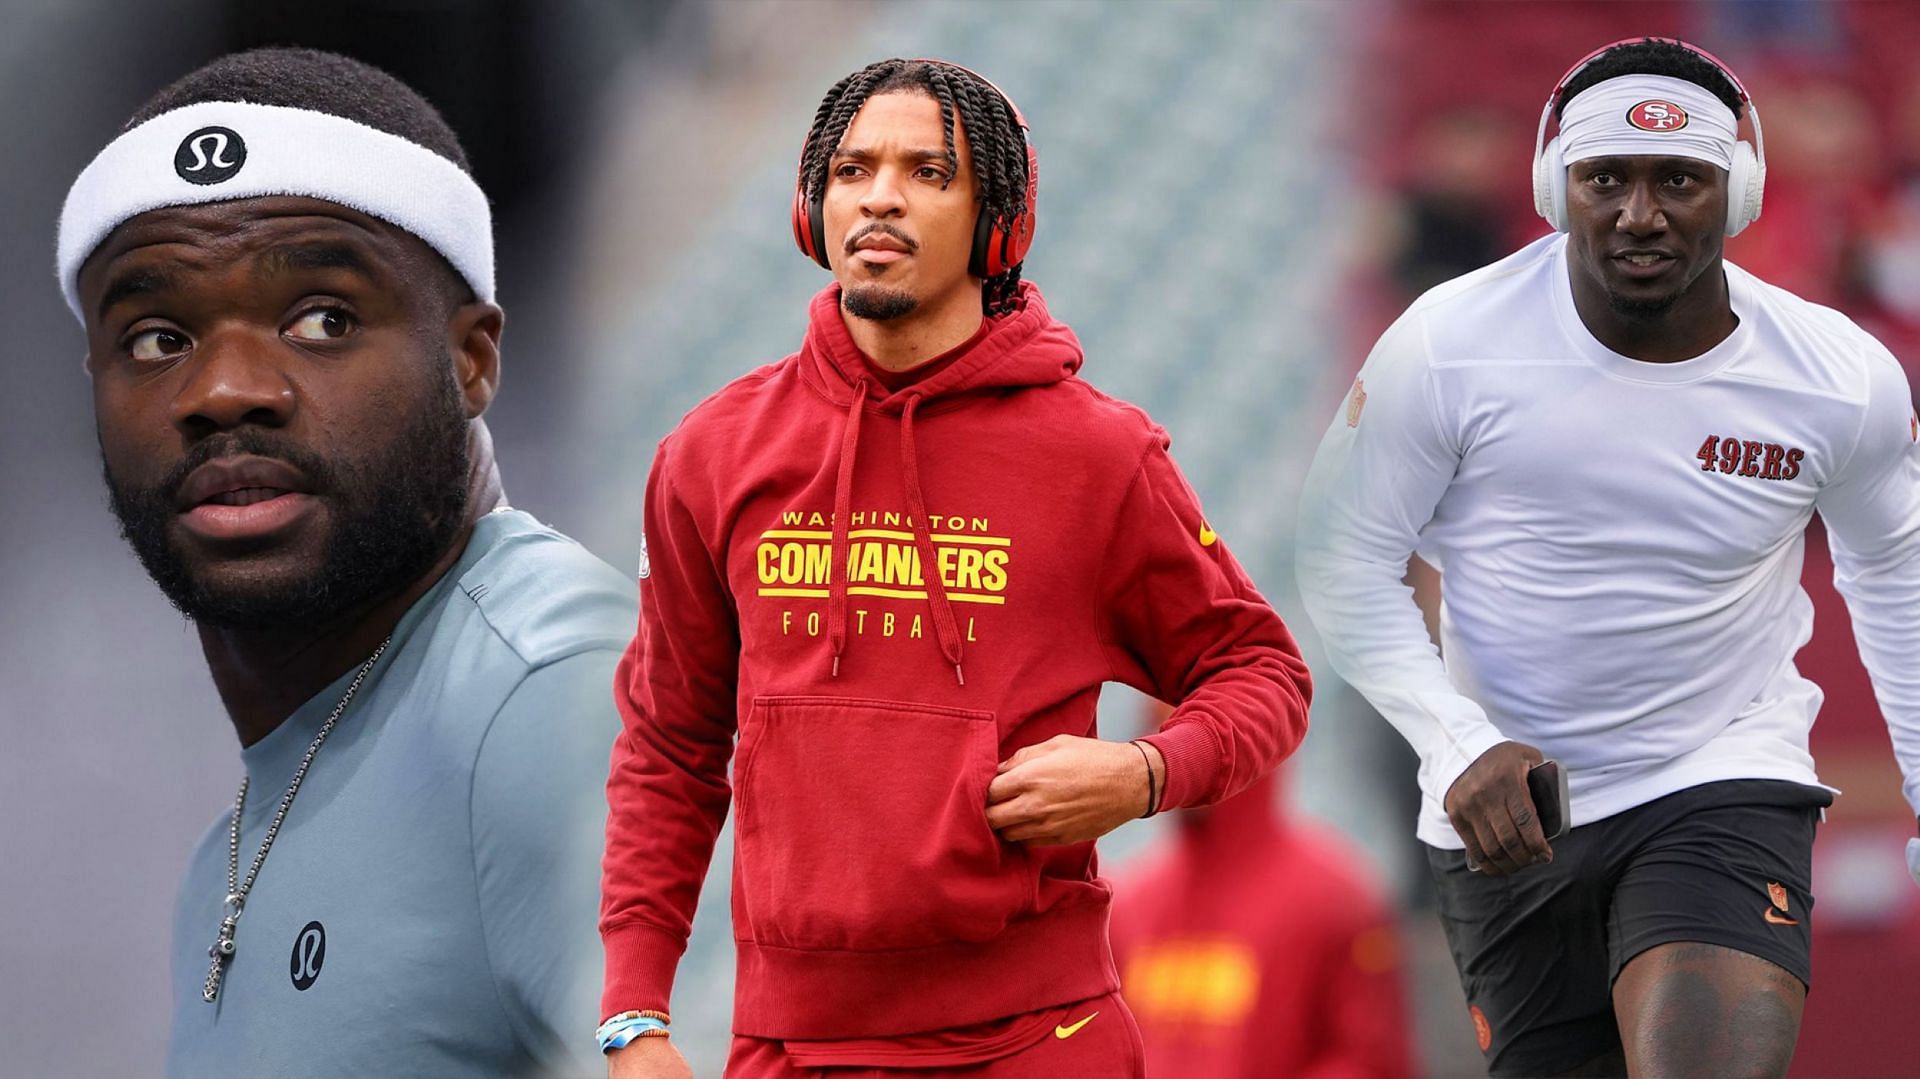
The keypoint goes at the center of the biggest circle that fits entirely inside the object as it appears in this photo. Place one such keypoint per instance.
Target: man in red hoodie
(898, 565)
(1253, 944)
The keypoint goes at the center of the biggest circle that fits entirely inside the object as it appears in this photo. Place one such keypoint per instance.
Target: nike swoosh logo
(1775, 919)
(1068, 1032)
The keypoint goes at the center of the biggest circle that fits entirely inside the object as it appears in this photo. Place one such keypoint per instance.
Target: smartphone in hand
(1547, 786)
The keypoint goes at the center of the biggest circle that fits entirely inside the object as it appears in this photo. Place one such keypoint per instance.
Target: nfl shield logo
(1778, 895)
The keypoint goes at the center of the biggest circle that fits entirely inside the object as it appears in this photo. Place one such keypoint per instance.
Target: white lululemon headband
(222, 150)
(1648, 114)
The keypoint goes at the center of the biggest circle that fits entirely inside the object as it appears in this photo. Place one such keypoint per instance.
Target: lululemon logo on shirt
(210, 155)
(309, 952)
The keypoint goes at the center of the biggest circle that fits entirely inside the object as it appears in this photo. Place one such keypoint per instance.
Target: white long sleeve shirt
(1620, 541)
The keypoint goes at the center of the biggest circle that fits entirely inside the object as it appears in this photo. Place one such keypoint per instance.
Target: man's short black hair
(322, 82)
(318, 81)
(1654, 56)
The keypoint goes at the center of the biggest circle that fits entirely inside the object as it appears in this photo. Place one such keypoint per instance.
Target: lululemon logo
(210, 155)
(309, 951)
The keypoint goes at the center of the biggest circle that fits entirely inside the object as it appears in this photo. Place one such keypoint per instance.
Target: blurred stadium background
(1236, 198)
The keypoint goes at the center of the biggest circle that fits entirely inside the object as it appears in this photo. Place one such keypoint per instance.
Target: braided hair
(1654, 56)
(993, 135)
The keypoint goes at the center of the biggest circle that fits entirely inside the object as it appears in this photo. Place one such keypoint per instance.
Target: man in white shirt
(1611, 443)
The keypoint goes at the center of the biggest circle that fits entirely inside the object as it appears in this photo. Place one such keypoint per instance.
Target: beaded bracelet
(622, 1029)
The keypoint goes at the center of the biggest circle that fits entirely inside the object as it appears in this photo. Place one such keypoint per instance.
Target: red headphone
(995, 250)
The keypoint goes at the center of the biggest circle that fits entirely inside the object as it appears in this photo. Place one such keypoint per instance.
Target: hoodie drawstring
(946, 629)
(944, 625)
(839, 550)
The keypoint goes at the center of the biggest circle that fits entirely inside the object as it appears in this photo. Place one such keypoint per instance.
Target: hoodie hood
(1025, 348)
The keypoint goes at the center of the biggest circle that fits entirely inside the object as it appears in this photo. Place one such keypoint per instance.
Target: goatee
(1642, 310)
(877, 303)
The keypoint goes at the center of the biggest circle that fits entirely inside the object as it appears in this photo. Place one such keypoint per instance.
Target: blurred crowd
(1838, 98)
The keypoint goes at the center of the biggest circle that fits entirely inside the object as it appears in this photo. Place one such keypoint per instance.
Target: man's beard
(391, 516)
(1651, 308)
(1642, 310)
(877, 303)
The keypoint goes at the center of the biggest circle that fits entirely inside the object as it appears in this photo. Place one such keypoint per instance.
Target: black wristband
(1153, 796)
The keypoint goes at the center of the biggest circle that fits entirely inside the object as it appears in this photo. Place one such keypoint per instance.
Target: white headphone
(1746, 180)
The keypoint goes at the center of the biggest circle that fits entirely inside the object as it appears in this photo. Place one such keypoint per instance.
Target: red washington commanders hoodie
(882, 595)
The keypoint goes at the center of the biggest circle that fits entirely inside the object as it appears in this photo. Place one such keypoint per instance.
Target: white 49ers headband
(223, 150)
(1648, 114)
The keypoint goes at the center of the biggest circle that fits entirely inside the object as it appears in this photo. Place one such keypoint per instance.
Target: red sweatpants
(1105, 1047)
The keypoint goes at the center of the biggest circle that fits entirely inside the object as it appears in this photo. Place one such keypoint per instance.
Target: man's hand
(1071, 790)
(648, 1058)
(1491, 809)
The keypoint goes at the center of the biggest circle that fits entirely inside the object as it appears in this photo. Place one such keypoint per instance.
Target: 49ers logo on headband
(1657, 116)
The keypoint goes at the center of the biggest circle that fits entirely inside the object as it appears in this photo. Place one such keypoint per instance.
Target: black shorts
(1722, 863)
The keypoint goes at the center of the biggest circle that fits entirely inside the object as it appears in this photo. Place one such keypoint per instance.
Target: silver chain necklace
(237, 889)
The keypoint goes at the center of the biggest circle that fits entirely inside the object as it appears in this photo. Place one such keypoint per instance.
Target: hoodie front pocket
(862, 825)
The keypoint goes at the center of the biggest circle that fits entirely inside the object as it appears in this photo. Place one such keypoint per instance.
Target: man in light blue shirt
(285, 274)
